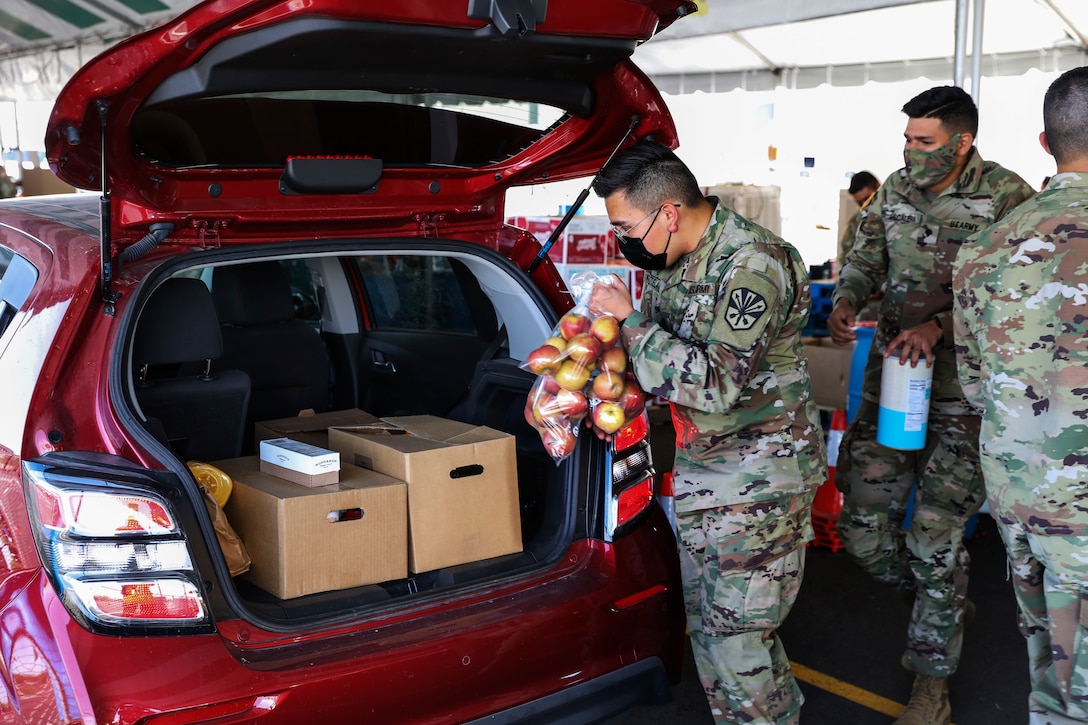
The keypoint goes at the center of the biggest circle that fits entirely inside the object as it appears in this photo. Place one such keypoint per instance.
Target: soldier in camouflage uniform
(719, 336)
(908, 241)
(863, 187)
(1021, 328)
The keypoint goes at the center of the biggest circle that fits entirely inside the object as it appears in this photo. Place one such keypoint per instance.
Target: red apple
(584, 348)
(538, 420)
(571, 403)
(614, 360)
(557, 341)
(572, 375)
(606, 329)
(573, 323)
(632, 399)
(608, 385)
(548, 384)
(544, 360)
(544, 407)
(608, 416)
(558, 441)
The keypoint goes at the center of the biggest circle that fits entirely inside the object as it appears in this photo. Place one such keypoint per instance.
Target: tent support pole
(976, 50)
(961, 42)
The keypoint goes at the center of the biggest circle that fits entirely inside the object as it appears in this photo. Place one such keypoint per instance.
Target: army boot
(928, 703)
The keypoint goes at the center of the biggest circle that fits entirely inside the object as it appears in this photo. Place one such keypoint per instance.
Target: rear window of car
(421, 293)
(17, 278)
(403, 130)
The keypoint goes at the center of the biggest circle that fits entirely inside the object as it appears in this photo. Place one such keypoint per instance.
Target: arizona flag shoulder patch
(745, 308)
(748, 304)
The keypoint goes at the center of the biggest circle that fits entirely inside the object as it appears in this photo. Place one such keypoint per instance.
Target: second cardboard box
(462, 485)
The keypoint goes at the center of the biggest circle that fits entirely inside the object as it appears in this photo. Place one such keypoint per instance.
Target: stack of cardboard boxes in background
(345, 499)
(828, 363)
(829, 369)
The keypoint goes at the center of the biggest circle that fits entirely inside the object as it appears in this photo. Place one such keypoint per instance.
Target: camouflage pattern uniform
(908, 240)
(1021, 327)
(846, 242)
(719, 337)
(869, 311)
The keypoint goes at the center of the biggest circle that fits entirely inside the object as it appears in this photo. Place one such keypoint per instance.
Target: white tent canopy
(751, 44)
(759, 44)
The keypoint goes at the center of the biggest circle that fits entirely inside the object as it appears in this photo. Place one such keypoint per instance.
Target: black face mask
(635, 252)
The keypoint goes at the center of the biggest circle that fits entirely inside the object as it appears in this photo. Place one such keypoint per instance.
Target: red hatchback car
(300, 205)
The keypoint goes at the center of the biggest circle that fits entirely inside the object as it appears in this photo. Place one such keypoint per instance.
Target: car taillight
(632, 489)
(633, 501)
(636, 430)
(92, 513)
(137, 600)
(115, 554)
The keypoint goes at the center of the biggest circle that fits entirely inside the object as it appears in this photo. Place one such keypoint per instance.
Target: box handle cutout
(354, 514)
(465, 471)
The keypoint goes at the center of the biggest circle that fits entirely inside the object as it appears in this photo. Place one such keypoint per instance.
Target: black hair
(952, 105)
(1065, 116)
(863, 180)
(648, 174)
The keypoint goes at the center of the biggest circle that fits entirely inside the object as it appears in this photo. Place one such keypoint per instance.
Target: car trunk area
(391, 332)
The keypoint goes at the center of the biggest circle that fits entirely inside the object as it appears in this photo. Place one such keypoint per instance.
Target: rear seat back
(198, 409)
(285, 357)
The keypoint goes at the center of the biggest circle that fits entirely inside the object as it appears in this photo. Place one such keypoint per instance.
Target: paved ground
(845, 637)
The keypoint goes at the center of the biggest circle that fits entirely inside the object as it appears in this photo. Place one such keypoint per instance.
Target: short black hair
(648, 173)
(952, 105)
(863, 180)
(1065, 115)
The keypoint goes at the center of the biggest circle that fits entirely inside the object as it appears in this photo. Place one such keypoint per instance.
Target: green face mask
(926, 168)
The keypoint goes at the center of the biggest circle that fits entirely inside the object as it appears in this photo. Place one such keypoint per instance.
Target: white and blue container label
(904, 404)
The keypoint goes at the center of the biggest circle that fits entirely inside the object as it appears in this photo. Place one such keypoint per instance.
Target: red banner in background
(586, 243)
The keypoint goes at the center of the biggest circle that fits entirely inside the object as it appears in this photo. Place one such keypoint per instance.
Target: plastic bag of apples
(582, 370)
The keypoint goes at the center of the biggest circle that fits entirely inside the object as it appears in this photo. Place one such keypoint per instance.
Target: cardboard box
(299, 462)
(38, 181)
(829, 370)
(462, 485)
(296, 546)
(310, 427)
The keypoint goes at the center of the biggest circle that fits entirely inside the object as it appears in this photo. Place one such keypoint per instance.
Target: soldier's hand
(611, 298)
(912, 344)
(840, 323)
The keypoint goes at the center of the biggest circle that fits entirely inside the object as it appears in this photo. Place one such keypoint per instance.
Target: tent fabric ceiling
(28, 26)
(753, 44)
(43, 42)
(758, 45)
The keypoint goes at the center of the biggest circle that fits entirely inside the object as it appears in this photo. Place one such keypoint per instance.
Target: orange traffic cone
(828, 502)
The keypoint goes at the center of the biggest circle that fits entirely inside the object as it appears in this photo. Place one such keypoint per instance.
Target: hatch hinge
(428, 225)
(510, 18)
(208, 232)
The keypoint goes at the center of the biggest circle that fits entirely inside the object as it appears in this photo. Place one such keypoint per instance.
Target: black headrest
(250, 294)
(178, 324)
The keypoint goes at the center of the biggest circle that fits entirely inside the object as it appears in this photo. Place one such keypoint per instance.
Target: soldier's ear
(966, 140)
(1044, 143)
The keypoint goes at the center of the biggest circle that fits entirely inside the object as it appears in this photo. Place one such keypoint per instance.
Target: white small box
(300, 462)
